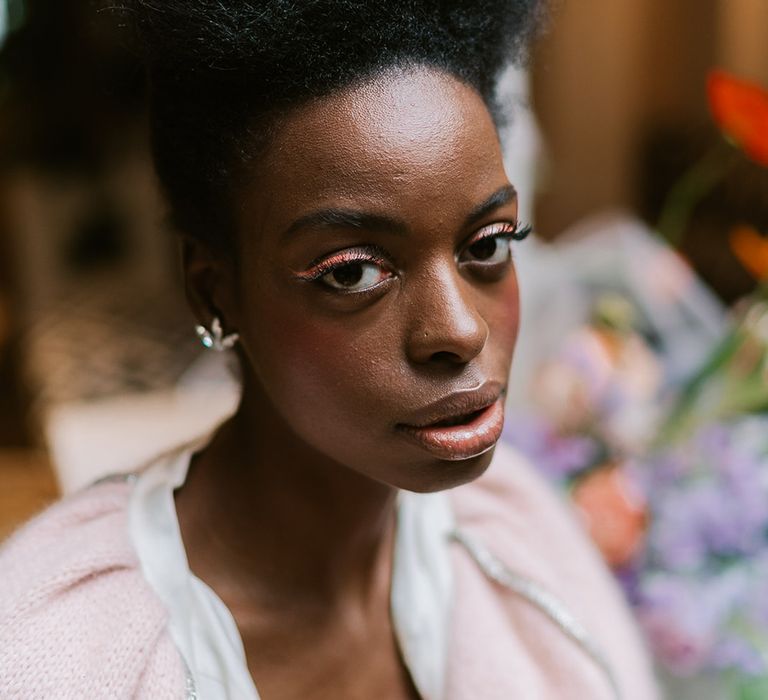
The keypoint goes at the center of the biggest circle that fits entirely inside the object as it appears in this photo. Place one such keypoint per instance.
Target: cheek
(506, 319)
(327, 377)
(512, 304)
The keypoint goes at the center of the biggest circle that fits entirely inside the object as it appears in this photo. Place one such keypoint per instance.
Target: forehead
(394, 140)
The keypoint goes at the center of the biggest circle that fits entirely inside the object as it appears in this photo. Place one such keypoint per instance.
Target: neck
(263, 515)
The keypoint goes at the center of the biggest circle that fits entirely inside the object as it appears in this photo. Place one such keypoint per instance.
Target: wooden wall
(609, 71)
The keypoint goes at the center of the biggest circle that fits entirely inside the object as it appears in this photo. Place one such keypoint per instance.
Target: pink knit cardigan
(78, 620)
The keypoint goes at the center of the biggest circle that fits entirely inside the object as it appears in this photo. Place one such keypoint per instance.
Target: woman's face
(375, 279)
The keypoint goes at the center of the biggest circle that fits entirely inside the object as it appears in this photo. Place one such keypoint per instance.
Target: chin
(442, 474)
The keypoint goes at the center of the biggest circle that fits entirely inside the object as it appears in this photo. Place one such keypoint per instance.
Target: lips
(458, 420)
(461, 425)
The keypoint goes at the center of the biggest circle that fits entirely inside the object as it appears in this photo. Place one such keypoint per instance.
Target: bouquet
(672, 483)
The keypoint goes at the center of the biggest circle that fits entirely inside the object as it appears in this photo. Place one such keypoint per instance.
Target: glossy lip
(464, 440)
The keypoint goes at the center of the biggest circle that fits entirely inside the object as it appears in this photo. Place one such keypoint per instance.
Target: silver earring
(215, 339)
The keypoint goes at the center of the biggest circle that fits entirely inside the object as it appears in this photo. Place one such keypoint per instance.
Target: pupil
(349, 274)
(484, 249)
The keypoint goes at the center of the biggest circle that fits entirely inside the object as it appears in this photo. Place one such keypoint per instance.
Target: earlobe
(207, 285)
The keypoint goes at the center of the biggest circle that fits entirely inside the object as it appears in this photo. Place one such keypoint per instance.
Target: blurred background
(612, 142)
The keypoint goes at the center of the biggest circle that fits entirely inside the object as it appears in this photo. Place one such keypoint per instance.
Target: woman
(354, 530)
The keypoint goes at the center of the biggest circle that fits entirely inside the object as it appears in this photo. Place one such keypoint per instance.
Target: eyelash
(364, 254)
(512, 233)
(373, 254)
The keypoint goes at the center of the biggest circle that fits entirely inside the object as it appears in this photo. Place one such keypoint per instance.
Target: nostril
(446, 356)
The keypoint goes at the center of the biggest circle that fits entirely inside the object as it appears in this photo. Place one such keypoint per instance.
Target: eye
(490, 250)
(492, 244)
(355, 276)
(350, 271)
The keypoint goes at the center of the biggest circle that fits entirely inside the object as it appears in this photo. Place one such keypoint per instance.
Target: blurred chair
(110, 355)
(118, 433)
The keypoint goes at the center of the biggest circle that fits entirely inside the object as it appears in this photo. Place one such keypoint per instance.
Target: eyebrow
(499, 198)
(347, 218)
(355, 219)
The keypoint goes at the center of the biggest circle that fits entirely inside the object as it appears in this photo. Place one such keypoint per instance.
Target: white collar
(205, 631)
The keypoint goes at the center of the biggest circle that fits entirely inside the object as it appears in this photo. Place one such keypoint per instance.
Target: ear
(208, 284)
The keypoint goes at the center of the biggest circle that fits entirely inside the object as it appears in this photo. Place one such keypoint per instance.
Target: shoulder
(76, 616)
(515, 508)
(510, 484)
(532, 528)
(73, 539)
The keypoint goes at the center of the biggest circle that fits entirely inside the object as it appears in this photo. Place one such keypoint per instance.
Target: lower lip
(461, 441)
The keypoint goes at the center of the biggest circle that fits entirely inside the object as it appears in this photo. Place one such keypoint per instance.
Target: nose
(446, 325)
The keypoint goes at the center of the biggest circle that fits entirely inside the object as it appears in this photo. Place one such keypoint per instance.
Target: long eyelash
(374, 254)
(521, 233)
(323, 265)
(506, 231)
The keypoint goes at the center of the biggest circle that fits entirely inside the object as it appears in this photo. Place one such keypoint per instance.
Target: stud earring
(215, 339)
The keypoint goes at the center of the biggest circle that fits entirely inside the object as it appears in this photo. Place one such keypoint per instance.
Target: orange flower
(751, 249)
(614, 513)
(740, 109)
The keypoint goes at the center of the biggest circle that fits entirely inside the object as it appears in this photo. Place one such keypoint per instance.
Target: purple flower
(715, 510)
(658, 472)
(681, 633)
(675, 540)
(557, 456)
(735, 653)
(709, 520)
(685, 617)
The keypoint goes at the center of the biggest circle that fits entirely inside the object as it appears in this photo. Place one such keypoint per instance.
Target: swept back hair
(221, 73)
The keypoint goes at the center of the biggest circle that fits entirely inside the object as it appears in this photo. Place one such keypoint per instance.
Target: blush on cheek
(510, 308)
(305, 350)
(310, 365)
(512, 293)
(321, 378)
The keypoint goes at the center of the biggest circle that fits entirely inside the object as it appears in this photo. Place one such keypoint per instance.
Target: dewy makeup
(460, 435)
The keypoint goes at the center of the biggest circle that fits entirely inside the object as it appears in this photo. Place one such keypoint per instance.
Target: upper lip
(456, 404)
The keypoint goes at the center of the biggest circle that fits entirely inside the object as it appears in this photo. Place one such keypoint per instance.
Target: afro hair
(220, 73)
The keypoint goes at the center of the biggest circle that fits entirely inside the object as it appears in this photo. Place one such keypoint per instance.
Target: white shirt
(203, 628)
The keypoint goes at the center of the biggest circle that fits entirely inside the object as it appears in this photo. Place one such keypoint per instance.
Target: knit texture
(78, 620)
(502, 644)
